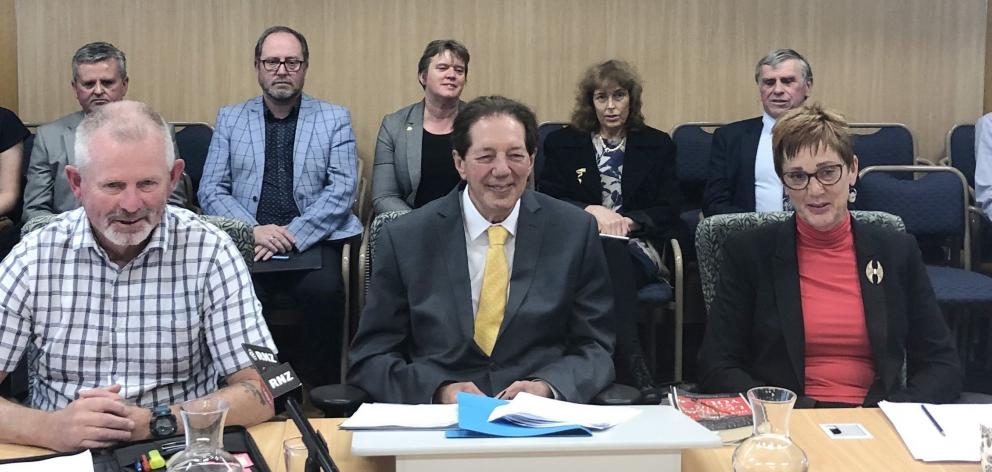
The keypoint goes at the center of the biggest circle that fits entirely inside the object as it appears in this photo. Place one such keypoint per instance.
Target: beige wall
(920, 62)
(8, 55)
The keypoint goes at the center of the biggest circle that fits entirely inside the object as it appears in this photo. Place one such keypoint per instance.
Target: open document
(961, 437)
(382, 416)
(539, 412)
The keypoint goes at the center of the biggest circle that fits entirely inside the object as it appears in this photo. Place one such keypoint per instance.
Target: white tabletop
(657, 428)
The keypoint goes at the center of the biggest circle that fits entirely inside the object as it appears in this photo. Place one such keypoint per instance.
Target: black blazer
(651, 194)
(755, 334)
(730, 183)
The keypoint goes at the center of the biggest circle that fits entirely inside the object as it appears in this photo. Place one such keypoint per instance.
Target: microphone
(280, 379)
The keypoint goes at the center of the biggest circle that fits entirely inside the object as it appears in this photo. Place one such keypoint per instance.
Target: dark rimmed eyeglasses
(291, 64)
(826, 175)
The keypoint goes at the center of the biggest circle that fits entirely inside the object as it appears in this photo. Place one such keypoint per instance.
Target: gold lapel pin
(874, 272)
(579, 173)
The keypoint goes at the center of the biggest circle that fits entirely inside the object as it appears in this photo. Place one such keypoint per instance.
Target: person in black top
(413, 163)
(621, 171)
(12, 136)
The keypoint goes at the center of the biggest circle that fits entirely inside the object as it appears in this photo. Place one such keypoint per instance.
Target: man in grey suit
(99, 76)
(492, 289)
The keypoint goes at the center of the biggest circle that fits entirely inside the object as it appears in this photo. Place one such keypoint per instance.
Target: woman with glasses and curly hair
(622, 172)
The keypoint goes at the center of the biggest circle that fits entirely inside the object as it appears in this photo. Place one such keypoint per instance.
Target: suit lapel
(750, 153)
(451, 230)
(301, 145)
(785, 270)
(413, 133)
(872, 295)
(636, 163)
(69, 138)
(527, 249)
(256, 128)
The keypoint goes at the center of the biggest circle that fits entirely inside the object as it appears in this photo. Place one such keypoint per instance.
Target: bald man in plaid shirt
(130, 306)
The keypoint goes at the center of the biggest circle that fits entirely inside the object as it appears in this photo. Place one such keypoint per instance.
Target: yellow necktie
(492, 299)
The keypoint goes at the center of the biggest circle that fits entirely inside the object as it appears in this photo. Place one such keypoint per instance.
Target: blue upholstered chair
(935, 209)
(883, 144)
(543, 130)
(192, 143)
(961, 150)
(692, 161)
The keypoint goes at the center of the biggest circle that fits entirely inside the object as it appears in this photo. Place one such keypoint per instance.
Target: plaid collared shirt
(165, 326)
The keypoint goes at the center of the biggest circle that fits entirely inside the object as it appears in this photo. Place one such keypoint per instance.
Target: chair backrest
(933, 207)
(961, 150)
(367, 252)
(888, 144)
(543, 130)
(713, 231)
(240, 233)
(692, 158)
(193, 142)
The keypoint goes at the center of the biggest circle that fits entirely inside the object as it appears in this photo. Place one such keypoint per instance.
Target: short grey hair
(778, 56)
(99, 51)
(128, 121)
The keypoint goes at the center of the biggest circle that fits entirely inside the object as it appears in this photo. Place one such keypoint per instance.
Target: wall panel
(8, 56)
(920, 62)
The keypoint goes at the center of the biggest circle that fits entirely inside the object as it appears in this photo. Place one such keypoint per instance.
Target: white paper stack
(82, 462)
(961, 439)
(384, 416)
(534, 411)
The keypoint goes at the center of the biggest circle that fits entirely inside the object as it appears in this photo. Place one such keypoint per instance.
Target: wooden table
(884, 452)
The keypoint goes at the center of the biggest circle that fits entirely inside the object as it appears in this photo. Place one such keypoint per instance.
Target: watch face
(163, 426)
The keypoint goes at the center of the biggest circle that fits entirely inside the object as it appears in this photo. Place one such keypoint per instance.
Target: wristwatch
(163, 422)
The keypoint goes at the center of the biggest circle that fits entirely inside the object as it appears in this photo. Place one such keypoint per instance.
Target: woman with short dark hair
(413, 163)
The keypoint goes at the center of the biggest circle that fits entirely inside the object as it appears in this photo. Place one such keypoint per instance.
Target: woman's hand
(609, 221)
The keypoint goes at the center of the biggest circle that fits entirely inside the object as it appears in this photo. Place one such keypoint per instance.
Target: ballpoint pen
(932, 420)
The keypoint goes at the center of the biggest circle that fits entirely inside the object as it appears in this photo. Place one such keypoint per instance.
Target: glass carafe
(769, 449)
(203, 420)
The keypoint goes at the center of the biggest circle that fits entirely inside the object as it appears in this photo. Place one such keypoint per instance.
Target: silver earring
(852, 195)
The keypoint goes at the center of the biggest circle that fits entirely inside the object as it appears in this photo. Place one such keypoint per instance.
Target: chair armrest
(338, 400)
(618, 394)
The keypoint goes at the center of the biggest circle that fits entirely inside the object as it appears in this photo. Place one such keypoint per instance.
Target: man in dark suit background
(742, 176)
(491, 290)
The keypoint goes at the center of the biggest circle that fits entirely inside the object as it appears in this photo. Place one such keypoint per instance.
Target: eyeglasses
(272, 64)
(826, 175)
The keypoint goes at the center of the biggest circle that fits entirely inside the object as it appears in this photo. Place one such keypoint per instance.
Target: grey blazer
(397, 169)
(415, 333)
(47, 189)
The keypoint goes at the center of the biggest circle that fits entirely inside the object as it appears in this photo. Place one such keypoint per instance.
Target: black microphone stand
(318, 457)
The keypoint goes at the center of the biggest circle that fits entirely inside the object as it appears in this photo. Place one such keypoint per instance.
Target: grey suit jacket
(415, 333)
(397, 169)
(47, 189)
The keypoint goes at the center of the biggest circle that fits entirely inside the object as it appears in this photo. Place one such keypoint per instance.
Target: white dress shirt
(768, 189)
(983, 164)
(477, 243)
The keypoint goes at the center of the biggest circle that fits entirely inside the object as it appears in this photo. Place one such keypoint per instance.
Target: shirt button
(254, 199)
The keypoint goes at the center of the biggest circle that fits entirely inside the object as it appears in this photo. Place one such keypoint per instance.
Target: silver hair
(128, 121)
(778, 56)
(99, 51)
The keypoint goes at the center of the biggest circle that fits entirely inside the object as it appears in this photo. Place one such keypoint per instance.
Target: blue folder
(473, 422)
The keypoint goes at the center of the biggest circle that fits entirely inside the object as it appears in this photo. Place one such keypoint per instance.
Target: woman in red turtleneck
(801, 305)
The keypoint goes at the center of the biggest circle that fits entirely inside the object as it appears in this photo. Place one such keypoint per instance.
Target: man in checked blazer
(285, 163)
